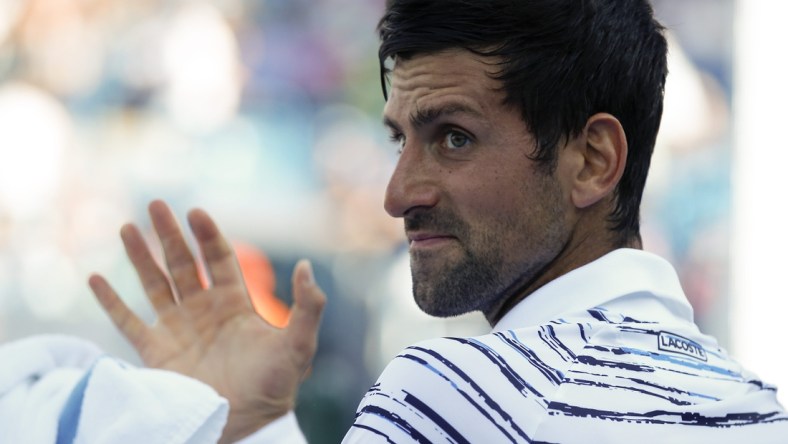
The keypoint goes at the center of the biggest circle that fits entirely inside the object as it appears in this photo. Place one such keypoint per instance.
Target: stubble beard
(465, 286)
(471, 282)
(482, 278)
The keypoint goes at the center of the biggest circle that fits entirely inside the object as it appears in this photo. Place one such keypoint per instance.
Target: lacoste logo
(679, 344)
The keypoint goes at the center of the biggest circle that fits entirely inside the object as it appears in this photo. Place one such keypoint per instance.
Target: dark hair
(561, 61)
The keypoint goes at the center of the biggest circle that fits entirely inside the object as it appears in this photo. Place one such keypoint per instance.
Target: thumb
(307, 311)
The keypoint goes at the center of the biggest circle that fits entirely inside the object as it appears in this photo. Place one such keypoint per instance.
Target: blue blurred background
(266, 113)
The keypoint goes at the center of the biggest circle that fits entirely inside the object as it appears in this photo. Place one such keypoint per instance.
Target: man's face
(482, 219)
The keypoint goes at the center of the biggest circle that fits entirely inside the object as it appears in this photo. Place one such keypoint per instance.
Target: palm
(227, 354)
(212, 333)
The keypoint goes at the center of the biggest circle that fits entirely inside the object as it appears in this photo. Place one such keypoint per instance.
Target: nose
(413, 183)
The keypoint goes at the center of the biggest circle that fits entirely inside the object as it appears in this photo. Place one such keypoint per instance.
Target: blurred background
(266, 113)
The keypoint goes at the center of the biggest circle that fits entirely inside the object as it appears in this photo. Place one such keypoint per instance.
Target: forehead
(452, 77)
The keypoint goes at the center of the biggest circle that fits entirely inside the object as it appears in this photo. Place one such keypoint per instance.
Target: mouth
(421, 240)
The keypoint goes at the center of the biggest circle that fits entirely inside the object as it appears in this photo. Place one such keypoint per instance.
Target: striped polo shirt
(606, 353)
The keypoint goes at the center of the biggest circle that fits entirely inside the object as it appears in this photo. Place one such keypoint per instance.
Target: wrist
(241, 424)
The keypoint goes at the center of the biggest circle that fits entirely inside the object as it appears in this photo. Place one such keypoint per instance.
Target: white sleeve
(60, 389)
(125, 404)
(284, 430)
(37, 375)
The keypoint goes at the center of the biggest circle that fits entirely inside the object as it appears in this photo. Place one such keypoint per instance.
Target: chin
(440, 305)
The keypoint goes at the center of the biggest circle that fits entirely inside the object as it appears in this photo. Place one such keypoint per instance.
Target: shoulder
(646, 376)
(521, 359)
(493, 387)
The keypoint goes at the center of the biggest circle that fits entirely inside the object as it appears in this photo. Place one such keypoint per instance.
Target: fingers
(307, 310)
(153, 280)
(219, 257)
(131, 326)
(177, 254)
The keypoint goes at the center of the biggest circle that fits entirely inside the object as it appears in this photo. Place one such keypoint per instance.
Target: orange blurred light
(261, 283)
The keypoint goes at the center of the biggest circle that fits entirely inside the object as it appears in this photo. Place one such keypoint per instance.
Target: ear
(600, 154)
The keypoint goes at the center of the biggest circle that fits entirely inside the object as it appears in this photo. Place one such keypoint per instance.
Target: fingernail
(309, 277)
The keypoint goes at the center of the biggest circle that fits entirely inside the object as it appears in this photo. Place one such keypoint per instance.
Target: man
(525, 130)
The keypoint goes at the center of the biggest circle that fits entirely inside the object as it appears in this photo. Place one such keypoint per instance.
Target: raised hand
(212, 333)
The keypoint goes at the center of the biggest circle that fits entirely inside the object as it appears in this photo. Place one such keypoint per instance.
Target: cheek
(512, 210)
(494, 203)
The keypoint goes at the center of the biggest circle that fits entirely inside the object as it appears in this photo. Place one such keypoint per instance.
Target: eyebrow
(426, 116)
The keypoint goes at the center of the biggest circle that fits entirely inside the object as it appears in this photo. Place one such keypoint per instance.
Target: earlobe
(604, 156)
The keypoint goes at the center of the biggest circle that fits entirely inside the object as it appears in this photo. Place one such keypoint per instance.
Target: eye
(399, 139)
(455, 140)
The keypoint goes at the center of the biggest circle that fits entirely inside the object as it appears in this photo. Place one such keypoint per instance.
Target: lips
(433, 227)
(424, 239)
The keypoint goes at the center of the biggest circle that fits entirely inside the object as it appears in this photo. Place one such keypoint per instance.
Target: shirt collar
(618, 273)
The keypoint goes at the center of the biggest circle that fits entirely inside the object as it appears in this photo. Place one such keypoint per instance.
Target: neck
(575, 254)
